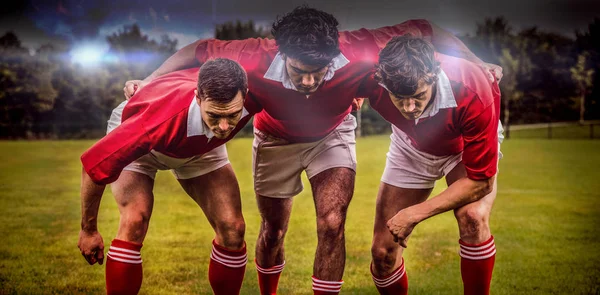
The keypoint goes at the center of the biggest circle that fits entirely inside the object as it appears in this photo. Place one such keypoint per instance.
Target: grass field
(545, 222)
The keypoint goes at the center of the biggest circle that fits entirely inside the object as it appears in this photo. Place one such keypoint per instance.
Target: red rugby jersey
(164, 116)
(289, 114)
(470, 124)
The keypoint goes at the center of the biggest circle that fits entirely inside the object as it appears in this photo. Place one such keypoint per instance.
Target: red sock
(321, 287)
(395, 283)
(123, 268)
(226, 269)
(476, 266)
(268, 278)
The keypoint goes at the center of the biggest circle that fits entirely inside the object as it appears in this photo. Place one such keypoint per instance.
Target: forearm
(182, 59)
(91, 195)
(447, 43)
(460, 193)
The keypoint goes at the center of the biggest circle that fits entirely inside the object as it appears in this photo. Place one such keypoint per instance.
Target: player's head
(308, 40)
(222, 88)
(408, 70)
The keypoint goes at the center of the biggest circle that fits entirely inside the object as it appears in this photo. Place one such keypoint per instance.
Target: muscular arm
(458, 194)
(91, 194)
(90, 241)
(182, 59)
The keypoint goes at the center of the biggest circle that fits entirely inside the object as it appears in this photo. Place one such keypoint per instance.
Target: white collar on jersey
(195, 125)
(277, 72)
(444, 97)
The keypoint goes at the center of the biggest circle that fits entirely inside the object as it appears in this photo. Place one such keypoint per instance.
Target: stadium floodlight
(87, 55)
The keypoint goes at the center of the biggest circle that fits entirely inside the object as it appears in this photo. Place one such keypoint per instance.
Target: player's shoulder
(232, 49)
(176, 78)
(468, 80)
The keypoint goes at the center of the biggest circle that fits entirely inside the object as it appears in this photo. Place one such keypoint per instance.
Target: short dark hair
(307, 34)
(220, 80)
(404, 61)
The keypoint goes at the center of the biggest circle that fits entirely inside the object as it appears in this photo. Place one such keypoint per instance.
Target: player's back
(164, 97)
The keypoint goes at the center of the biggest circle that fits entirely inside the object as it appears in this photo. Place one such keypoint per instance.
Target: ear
(437, 68)
(377, 75)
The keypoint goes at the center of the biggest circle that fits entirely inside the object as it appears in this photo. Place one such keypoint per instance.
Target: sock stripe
(479, 252)
(394, 277)
(393, 280)
(124, 260)
(271, 270)
(119, 249)
(326, 286)
(386, 278)
(225, 256)
(335, 283)
(228, 260)
(477, 248)
(121, 255)
(478, 257)
(327, 290)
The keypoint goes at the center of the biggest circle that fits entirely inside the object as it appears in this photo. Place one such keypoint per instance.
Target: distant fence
(555, 130)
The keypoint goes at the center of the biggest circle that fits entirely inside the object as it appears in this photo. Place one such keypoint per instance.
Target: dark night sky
(37, 21)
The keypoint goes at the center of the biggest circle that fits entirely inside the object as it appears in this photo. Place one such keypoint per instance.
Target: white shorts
(407, 167)
(182, 168)
(278, 164)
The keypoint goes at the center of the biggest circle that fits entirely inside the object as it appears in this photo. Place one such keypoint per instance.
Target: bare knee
(473, 224)
(384, 257)
(271, 235)
(231, 232)
(331, 225)
(134, 225)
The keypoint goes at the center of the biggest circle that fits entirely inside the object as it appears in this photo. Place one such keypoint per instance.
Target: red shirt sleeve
(231, 49)
(379, 37)
(480, 135)
(105, 160)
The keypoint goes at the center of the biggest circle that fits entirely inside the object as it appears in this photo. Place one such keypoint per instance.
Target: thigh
(332, 192)
(276, 166)
(134, 197)
(390, 200)
(217, 193)
(133, 192)
(275, 213)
